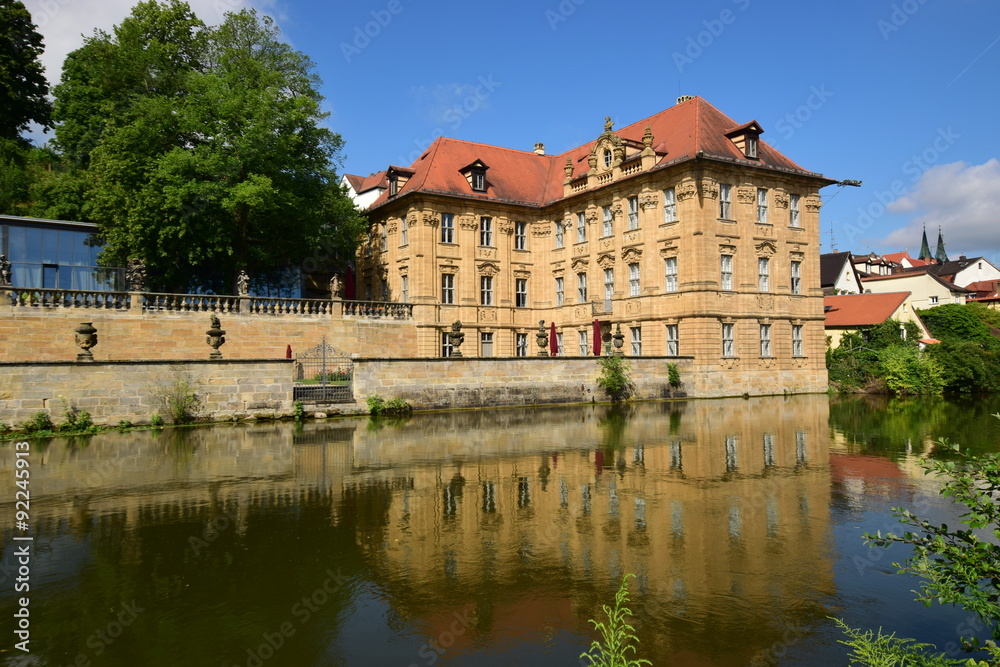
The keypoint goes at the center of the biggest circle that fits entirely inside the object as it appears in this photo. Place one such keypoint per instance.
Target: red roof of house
(681, 132)
(985, 288)
(861, 310)
(365, 183)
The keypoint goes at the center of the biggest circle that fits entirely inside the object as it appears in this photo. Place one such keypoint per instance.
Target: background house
(856, 312)
(927, 289)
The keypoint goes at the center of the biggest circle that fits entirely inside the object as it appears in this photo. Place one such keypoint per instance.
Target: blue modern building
(55, 254)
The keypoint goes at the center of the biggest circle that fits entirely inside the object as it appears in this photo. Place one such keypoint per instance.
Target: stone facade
(711, 254)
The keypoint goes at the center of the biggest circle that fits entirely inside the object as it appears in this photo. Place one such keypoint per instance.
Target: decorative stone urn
(542, 338)
(619, 340)
(216, 338)
(86, 338)
(456, 337)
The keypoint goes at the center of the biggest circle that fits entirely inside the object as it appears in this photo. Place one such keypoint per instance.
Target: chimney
(684, 98)
(539, 148)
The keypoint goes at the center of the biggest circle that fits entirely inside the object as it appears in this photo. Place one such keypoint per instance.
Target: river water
(481, 538)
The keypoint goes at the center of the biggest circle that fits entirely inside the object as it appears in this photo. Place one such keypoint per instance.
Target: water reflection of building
(675, 501)
(520, 520)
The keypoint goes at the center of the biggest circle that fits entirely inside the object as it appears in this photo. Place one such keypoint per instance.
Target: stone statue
(243, 284)
(608, 123)
(135, 275)
(215, 337)
(336, 287)
(4, 271)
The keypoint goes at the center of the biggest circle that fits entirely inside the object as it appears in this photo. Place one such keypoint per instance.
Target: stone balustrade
(64, 298)
(378, 310)
(154, 303)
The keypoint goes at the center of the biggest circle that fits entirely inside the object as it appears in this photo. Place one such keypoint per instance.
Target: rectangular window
(581, 287)
(560, 292)
(636, 335)
(725, 201)
(404, 231)
(633, 279)
(765, 340)
(404, 288)
(447, 228)
(559, 233)
(446, 347)
(609, 221)
(486, 231)
(669, 205)
(673, 344)
(609, 285)
(385, 290)
(728, 346)
(560, 350)
(479, 181)
(447, 288)
(521, 292)
(762, 206)
(486, 344)
(584, 345)
(670, 264)
(793, 211)
(796, 277)
(581, 227)
(768, 449)
(383, 238)
(796, 340)
(521, 344)
(763, 274)
(934, 300)
(727, 272)
(520, 236)
(633, 213)
(486, 290)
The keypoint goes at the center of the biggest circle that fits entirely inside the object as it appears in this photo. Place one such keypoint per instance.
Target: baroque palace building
(685, 230)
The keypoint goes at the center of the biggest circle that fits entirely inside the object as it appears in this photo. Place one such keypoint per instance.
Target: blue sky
(900, 94)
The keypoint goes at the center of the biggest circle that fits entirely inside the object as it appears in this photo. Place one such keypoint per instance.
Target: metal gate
(324, 375)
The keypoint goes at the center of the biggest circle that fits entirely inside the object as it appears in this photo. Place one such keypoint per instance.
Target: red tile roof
(681, 132)
(985, 288)
(861, 310)
(365, 183)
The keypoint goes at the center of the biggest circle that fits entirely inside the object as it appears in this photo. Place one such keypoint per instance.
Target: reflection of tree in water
(879, 423)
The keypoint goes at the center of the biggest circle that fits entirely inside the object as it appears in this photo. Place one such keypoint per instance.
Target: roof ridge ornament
(608, 124)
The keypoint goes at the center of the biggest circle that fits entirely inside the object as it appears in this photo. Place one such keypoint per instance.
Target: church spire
(940, 255)
(925, 250)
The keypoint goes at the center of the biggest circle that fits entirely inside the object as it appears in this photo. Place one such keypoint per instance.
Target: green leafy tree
(205, 149)
(23, 88)
(956, 321)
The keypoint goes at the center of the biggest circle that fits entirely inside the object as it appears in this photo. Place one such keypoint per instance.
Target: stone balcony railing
(154, 303)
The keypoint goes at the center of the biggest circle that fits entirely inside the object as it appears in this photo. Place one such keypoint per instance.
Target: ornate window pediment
(606, 261)
(487, 269)
(631, 255)
(765, 249)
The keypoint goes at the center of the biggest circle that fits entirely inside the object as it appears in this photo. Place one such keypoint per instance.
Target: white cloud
(451, 102)
(963, 199)
(63, 24)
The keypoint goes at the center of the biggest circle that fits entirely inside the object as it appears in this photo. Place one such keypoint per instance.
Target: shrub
(299, 411)
(156, 420)
(906, 370)
(180, 401)
(378, 406)
(614, 377)
(124, 424)
(617, 635)
(674, 375)
(4, 428)
(40, 421)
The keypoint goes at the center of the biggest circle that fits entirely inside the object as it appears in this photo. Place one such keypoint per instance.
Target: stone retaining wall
(111, 391)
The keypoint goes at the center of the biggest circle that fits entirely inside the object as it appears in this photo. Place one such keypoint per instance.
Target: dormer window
(608, 156)
(475, 173)
(397, 178)
(393, 186)
(746, 138)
